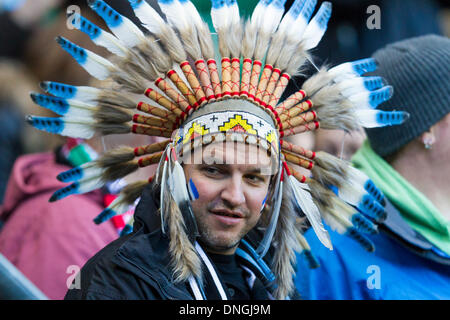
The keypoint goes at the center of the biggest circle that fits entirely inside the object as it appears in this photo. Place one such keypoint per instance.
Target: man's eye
(255, 178)
(211, 170)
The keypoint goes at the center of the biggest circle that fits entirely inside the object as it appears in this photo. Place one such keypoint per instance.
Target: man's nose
(233, 192)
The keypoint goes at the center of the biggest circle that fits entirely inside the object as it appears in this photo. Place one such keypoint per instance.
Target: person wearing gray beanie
(410, 165)
(419, 70)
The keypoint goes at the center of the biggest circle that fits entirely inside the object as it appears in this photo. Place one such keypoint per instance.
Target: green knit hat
(419, 71)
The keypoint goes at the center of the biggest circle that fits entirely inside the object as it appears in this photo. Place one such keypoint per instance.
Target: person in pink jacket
(49, 242)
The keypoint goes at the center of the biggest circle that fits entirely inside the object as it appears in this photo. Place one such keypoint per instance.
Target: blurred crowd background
(29, 55)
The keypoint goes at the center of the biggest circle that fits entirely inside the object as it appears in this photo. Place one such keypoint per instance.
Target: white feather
(175, 14)
(150, 18)
(78, 128)
(315, 31)
(97, 66)
(306, 203)
(87, 94)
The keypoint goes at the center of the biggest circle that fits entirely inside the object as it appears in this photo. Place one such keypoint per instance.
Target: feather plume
(61, 90)
(64, 107)
(317, 27)
(121, 26)
(97, 35)
(150, 19)
(304, 201)
(95, 65)
(127, 197)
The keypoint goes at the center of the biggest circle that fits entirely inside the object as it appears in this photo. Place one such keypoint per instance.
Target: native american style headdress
(194, 102)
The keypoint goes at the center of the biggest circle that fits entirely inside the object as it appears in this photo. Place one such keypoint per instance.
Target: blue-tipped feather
(78, 187)
(64, 192)
(61, 90)
(370, 207)
(366, 243)
(317, 27)
(310, 259)
(97, 35)
(353, 69)
(95, 65)
(104, 216)
(300, 24)
(126, 230)
(372, 99)
(75, 128)
(290, 17)
(71, 175)
(362, 179)
(52, 125)
(363, 224)
(373, 83)
(364, 65)
(121, 26)
(57, 105)
(372, 189)
(360, 199)
(62, 106)
(85, 171)
(356, 85)
(378, 118)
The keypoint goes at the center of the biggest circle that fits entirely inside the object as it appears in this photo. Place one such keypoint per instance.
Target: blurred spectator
(409, 163)
(48, 242)
(338, 142)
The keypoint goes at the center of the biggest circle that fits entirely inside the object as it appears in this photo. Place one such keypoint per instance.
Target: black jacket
(136, 266)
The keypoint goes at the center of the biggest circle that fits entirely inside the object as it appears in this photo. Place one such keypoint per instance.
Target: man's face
(231, 190)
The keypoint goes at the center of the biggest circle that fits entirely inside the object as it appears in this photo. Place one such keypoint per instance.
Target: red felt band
(315, 114)
(157, 81)
(236, 60)
(234, 94)
(184, 64)
(211, 61)
(317, 124)
(218, 96)
(199, 102)
(276, 70)
(268, 66)
(139, 105)
(285, 75)
(136, 152)
(226, 93)
(211, 97)
(251, 96)
(199, 61)
(257, 63)
(171, 72)
(147, 92)
(188, 109)
(140, 162)
(313, 155)
(151, 179)
(248, 60)
(226, 60)
(135, 117)
(310, 165)
(134, 128)
(244, 93)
